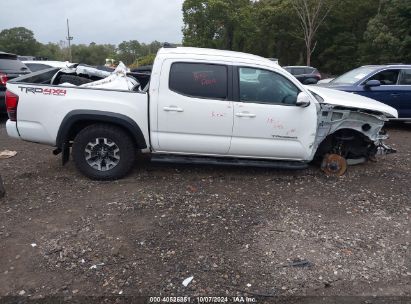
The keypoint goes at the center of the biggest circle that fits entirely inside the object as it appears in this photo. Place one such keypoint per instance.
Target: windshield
(353, 76)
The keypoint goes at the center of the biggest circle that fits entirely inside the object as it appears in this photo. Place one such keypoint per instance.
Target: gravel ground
(235, 230)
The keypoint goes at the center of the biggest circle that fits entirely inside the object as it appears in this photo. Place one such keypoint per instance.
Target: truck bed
(56, 102)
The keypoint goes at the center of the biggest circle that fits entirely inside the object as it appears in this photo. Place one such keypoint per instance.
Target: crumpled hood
(350, 100)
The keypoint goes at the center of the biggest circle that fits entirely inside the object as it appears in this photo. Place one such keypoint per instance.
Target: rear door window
(298, 71)
(199, 80)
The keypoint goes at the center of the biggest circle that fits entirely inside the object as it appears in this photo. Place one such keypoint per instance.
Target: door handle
(245, 114)
(173, 109)
(395, 94)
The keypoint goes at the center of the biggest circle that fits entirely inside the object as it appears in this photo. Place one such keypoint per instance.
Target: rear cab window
(10, 63)
(200, 80)
(298, 71)
(34, 67)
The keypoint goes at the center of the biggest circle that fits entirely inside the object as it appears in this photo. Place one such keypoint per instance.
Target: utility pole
(69, 38)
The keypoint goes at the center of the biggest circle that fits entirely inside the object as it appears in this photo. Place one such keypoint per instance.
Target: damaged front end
(348, 136)
(350, 129)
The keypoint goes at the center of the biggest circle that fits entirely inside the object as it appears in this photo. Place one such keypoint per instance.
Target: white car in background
(38, 65)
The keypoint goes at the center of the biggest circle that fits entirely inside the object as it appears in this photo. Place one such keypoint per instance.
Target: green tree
(93, 54)
(51, 51)
(388, 34)
(215, 23)
(18, 40)
(274, 32)
(341, 36)
(129, 51)
(311, 14)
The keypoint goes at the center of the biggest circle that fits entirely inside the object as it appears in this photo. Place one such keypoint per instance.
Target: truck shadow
(144, 164)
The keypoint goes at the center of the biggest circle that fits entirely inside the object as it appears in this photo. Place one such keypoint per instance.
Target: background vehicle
(326, 80)
(305, 74)
(201, 106)
(10, 67)
(38, 65)
(390, 84)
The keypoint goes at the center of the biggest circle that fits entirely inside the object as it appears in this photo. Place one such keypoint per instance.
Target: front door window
(262, 86)
(387, 77)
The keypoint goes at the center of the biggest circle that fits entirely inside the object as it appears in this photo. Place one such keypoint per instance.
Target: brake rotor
(334, 164)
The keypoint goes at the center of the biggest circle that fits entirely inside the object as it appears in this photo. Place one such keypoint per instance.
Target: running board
(288, 165)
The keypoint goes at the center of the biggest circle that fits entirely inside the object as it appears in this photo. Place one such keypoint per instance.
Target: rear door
(194, 111)
(267, 122)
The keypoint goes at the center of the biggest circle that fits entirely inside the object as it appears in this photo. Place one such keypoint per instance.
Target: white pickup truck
(201, 106)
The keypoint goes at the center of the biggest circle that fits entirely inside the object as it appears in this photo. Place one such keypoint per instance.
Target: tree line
(332, 35)
(21, 41)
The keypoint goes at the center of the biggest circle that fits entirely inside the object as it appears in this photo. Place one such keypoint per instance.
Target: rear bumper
(11, 127)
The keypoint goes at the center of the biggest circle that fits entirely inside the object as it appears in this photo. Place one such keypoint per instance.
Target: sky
(99, 21)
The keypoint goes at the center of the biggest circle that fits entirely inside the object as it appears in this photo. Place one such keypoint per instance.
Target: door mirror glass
(303, 100)
(373, 83)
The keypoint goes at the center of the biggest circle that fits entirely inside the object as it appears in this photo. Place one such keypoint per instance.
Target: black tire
(74, 79)
(102, 136)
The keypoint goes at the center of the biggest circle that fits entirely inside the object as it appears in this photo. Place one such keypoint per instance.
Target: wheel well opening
(81, 124)
(348, 143)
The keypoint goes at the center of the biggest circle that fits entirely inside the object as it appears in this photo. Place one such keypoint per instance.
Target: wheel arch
(77, 120)
(346, 135)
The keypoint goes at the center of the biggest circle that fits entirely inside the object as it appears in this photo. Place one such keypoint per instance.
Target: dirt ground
(235, 230)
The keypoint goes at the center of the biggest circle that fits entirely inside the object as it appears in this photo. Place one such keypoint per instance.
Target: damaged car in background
(198, 106)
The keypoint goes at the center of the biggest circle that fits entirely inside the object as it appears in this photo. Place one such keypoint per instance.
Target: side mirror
(303, 100)
(372, 83)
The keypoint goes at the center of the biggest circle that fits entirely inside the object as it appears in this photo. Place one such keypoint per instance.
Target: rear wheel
(103, 152)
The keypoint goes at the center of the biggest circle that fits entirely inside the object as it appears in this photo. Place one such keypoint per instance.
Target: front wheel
(103, 152)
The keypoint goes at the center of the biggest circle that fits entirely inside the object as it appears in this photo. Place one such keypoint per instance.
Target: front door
(267, 122)
(388, 92)
(194, 114)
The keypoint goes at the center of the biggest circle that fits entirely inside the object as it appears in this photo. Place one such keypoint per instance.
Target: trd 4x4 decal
(55, 92)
